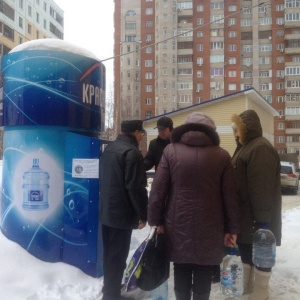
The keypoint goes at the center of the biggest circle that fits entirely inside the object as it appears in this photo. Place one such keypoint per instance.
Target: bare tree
(108, 133)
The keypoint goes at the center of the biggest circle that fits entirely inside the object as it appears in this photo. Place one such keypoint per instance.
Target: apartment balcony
(184, 51)
(292, 90)
(185, 38)
(292, 50)
(292, 117)
(292, 64)
(291, 24)
(184, 12)
(293, 144)
(292, 131)
(291, 36)
(289, 103)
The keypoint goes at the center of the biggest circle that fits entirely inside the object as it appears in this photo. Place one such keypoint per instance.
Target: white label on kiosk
(85, 168)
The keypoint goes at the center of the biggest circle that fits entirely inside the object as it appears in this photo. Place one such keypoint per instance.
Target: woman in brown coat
(193, 200)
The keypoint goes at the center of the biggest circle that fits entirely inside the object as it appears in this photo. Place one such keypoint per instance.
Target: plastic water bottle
(232, 275)
(35, 188)
(264, 248)
(161, 292)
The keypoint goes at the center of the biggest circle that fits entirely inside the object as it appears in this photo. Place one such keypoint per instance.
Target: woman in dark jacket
(193, 200)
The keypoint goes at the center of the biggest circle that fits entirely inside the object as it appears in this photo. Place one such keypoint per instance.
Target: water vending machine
(52, 111)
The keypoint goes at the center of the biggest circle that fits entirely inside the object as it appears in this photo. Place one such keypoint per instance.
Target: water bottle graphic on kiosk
(232, 274)
(264, 248)
(35, 188)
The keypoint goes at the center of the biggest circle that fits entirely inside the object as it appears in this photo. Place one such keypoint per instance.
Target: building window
(184, 85)
(279, 7)
(247, 75)
(148, 113)
(130, 25)
(148, 75)
(149, 11)
(130, 13)
(148, 38)
(200, 21)
(217, 32)
(232, 8)
(232, 87)
(280, 126)
(185, 98)
(199, 34)
(149, 24)
(265, 47)
(199, 73)
(148, 88)
(216, 45)
(215, 58)
(37, 17)
(265, 21)
(264, 74)
(45, 6)
(148, 50)
(231, 73)
(280, 59)
(217, 19)
(231, 21)
(232, 47)
(148, 101)
(164, 85)
(216, 72)
(216, 5)
(200, 7)
(37, 34)
(20, 22)
(148, 63)
(280, 85)
(268, 98)
(199, 87)
(264, 60)
(21, 4)
(232, 60)
(280, 139)
(199, 47)
(29, 29)
(45, 24)
(20, 40)
(264, 87)
(232, 34)
(185, 71)
(280, 99)
(246, 22)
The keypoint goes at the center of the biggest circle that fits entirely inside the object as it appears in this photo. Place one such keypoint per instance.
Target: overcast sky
(89, 24)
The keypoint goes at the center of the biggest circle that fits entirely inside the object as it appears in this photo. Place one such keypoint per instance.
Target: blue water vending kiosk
(51, 112)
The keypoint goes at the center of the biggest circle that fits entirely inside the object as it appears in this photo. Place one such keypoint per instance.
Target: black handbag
(155, 264)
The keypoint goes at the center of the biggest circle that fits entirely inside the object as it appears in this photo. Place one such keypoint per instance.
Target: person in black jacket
(123, 202)
(157, 146)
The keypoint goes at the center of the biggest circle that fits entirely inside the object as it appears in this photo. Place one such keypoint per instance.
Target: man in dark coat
(257, 172)
(157, 146)
(123, 202)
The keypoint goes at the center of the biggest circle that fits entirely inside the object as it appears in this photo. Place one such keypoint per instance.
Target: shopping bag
(133, 270)
(155, 266)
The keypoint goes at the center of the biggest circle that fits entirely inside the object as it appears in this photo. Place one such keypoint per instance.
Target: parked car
(289, 176)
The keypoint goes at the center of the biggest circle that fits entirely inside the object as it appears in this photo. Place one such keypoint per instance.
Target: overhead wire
(191, 30)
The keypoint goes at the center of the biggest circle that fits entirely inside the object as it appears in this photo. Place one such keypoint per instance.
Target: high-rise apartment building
(25, 20)
(172, 54)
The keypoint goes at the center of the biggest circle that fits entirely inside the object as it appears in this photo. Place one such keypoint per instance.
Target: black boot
(183, 296)
(201, 296)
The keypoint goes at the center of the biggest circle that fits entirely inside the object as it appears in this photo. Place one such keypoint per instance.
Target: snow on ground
(24, 277)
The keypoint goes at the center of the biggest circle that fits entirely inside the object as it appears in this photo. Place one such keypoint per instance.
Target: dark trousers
(116, 243)
(246, 256)
(191, 277)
